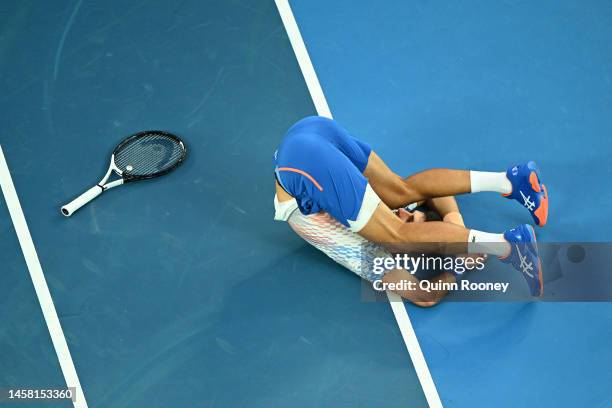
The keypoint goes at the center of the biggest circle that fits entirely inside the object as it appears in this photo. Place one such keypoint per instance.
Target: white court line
(299, 48)
(40, 284)
(414, 349)
(397, 305)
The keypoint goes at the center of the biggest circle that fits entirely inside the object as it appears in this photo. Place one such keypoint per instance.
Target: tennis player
(339, 195)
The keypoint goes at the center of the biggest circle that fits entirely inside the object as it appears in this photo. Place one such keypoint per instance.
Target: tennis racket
(141, 156)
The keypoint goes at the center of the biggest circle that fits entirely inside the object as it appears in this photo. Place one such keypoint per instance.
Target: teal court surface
(183, 291)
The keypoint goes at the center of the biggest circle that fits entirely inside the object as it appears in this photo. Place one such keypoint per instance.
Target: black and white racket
(141, 156)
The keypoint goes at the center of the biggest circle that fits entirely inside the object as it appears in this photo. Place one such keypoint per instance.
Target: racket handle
(81, 200)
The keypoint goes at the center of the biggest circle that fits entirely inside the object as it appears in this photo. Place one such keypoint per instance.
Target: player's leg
(396, 191)
(521, 183)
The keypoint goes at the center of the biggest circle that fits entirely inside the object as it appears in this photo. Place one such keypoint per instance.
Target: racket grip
(81, 200)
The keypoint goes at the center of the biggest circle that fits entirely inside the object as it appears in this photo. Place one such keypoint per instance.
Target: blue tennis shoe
(524, 257)
(529, 191)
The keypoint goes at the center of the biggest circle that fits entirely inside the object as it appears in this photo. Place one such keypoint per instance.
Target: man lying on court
(345, 195)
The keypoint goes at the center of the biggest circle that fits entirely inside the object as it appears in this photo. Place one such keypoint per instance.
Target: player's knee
(399, 191)
(409, 190)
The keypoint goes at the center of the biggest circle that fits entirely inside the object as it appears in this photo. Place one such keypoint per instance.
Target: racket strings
(151, 159)
(149, 155)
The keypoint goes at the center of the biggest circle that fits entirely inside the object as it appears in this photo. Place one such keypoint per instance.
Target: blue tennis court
(183, 291)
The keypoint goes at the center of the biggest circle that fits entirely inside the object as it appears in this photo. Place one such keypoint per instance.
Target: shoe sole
(540, 277)
(541, 213)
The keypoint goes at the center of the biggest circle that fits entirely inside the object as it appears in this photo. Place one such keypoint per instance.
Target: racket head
(148, 154)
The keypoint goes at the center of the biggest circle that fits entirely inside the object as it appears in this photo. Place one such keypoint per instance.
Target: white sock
(490, 181)
(486, 243)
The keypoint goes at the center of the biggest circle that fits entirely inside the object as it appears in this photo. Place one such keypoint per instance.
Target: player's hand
(454, 218)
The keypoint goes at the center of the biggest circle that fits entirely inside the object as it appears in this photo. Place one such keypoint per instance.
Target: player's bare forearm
(386, 228)
(448, 209)
(443, 205)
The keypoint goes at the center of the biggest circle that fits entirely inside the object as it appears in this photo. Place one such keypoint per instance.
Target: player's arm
(447, 208)
(385, 228)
